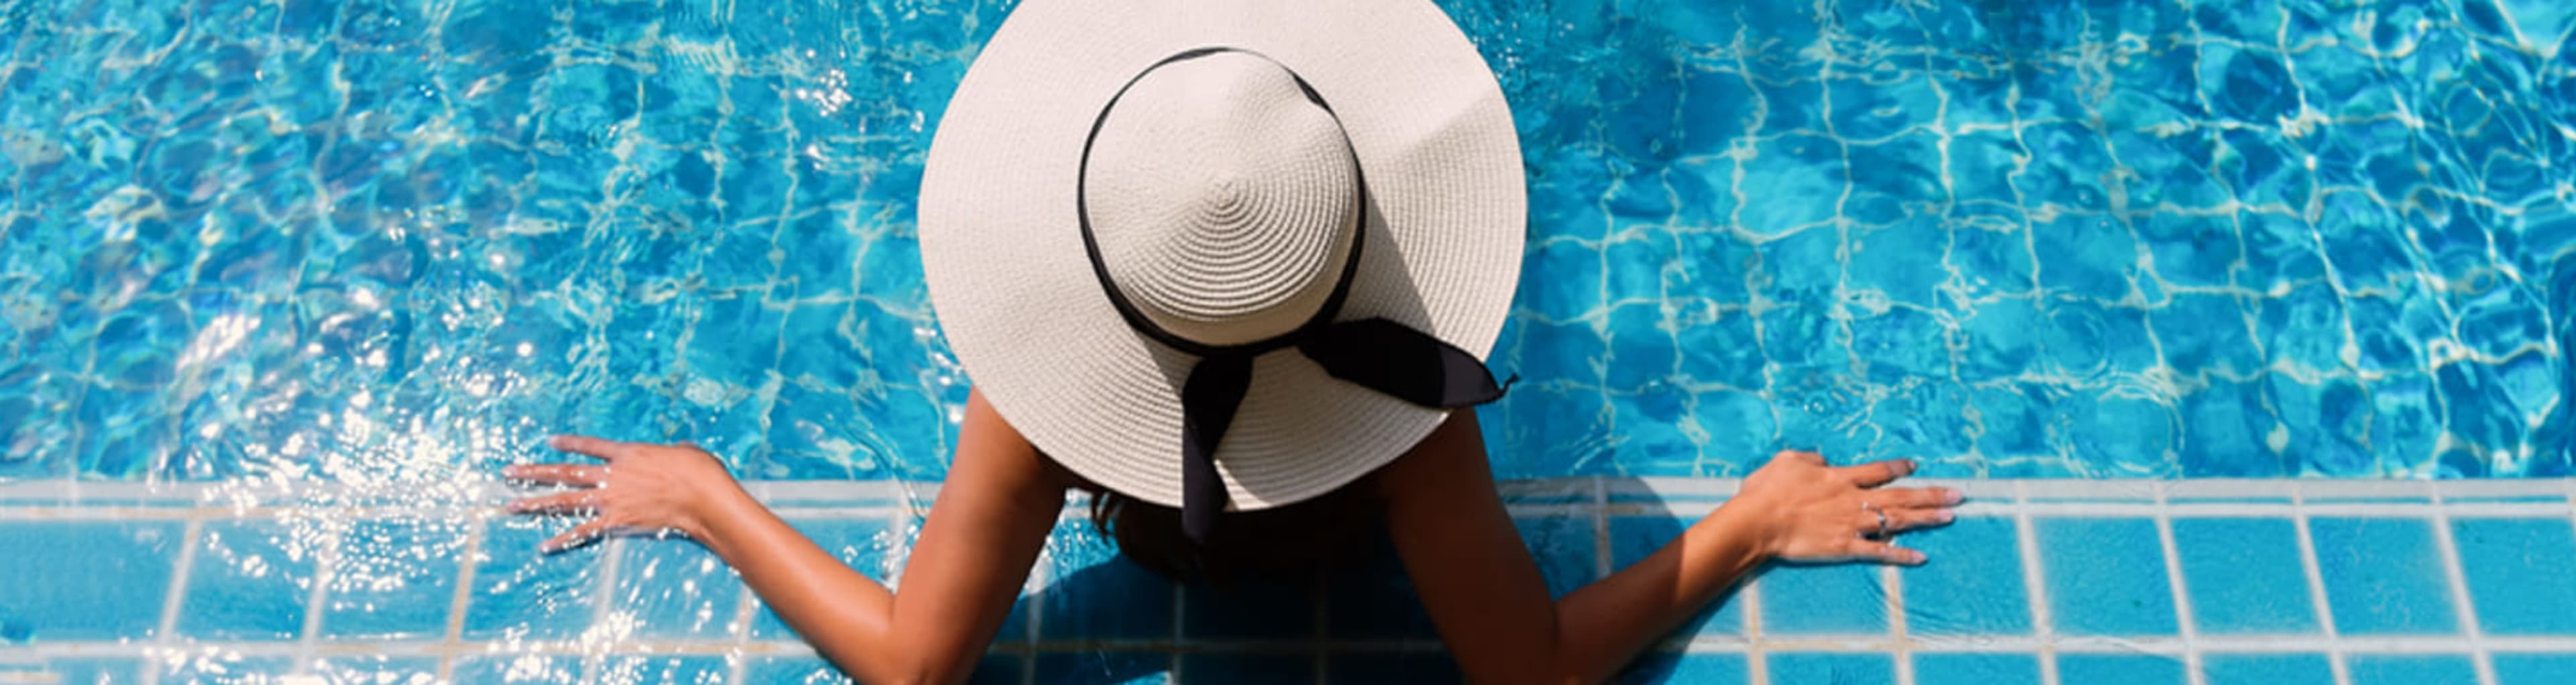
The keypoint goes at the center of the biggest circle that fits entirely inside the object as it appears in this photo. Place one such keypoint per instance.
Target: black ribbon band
(1375, 353)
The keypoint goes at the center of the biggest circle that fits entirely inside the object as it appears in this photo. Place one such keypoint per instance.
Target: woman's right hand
(1801, 510)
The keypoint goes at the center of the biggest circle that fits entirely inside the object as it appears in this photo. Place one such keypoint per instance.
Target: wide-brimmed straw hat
(1222, 254)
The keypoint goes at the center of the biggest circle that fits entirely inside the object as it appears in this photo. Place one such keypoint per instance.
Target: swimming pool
(374, 249)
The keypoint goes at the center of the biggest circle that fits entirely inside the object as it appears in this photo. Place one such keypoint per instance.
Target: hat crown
(1223, 198)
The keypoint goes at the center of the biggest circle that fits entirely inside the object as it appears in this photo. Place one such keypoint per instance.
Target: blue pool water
(368, 251)
(384, 241)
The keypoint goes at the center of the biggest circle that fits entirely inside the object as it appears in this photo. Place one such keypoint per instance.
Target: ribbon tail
(1208, 401)
(1396, 360)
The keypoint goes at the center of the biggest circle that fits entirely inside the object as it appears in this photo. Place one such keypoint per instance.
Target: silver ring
(1882, 518)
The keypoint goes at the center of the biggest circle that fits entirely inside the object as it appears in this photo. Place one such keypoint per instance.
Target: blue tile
(1840, 669)
(2533, 669)
(376, 670)
(1250, 609)
(1248, 669)
(2244, 575)
(2410, 669)
(2267, 669)
(1563, 546)
(1823, 600)
(676, 589)
(57, 595)
(1392, 668)
(523, 594)
(636, 670)
(2516, 586)
(250, 581)
(804, 670)
(1104, 668)
(92, 671)
(1975, 669)
(1679, 668)
(226, 668)
(2119, 669)
(1970, 583)
(1633, 538)
(393, 580)
(2105, 576)
(518, 668)
(2383, 576)
(864, 543)
(1092, 592)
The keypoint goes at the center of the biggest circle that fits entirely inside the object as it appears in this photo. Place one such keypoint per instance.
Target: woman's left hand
(640, 488)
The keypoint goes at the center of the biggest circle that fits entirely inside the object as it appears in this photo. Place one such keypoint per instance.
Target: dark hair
(1275, 543)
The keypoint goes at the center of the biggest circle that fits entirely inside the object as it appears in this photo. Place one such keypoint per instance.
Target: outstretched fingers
(1877, 473)
(575, 502)
(1882, 552)
(582, 475)
(588, 532)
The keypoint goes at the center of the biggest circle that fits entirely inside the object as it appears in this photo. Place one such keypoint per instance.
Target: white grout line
(2185, 622)
(2308, 565)
(326, 562)
(1756, 656)
(2467, 609)
(1600, 530)
(1894, 582)
(164, 637)
(454, 636)
(612, 554)
(2035, 585)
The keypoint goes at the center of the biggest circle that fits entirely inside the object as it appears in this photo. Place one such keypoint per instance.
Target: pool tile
(226, 669)
(1248, 669)
(518, 668)
(2267, 669)
(1682, 668)
(2086, 560)
(2514, 587)
(90, 671)
(57, 596)
(520, 593)
(1633, 538)
(2244, 575)
(1840, 669)
(1104, 668)
(1975, 669)
(250, 581)
(2383, 576)
(394, 580)
(2533, 669)
(377, 670)
(1971, 581)
(2410, 669)
(1844, 599)
(1092, 592)
(1563, 546)
(676, 589)
(663, 670)
(863, 543)
(2119, 669)
(1392, 668)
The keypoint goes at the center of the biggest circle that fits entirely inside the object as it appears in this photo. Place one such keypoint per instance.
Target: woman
(1212, 262)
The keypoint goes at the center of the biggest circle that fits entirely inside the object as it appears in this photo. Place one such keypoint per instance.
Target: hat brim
(1014, 292)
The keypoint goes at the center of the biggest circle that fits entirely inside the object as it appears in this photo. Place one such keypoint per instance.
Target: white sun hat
(1285, 229)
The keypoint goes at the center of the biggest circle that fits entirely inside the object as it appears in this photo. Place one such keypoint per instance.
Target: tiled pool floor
(2045, 581)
